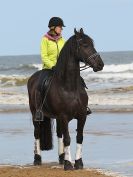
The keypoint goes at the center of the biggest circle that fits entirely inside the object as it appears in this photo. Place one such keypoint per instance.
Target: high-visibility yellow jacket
(50, 50)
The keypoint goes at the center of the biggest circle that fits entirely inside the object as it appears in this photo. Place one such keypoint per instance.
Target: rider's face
(58, 29)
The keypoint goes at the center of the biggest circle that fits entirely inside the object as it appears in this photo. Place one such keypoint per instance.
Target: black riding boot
(88, 111)
(84, 85)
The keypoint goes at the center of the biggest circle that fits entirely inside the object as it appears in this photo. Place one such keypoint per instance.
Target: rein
(84, 67)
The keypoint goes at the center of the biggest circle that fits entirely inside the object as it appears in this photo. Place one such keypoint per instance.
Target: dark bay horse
(66, 99)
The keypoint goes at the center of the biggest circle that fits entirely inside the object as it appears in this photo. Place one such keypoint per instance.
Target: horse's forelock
(84, 37)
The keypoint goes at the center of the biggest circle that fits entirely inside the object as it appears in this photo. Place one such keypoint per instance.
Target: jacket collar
(52, 37)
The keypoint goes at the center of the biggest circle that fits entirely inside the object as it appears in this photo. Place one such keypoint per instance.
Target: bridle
(85, 66)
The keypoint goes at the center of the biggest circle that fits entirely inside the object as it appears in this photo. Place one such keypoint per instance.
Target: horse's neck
(69, 74)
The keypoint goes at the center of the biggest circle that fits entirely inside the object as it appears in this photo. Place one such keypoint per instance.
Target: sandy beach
(51, 170)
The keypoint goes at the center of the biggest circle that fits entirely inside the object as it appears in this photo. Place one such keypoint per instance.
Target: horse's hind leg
(80, 126)
(60, 142)
(37, 151)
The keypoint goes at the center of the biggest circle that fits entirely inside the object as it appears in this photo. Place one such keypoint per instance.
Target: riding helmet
(56, 21)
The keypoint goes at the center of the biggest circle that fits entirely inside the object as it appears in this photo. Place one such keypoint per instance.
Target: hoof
(67, 165)
(78, 164)
(61, 159)
(37, 160)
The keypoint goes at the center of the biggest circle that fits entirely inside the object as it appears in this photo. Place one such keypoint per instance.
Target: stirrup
(39, 116)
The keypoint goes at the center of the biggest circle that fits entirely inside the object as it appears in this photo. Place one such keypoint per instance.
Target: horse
(65, 99)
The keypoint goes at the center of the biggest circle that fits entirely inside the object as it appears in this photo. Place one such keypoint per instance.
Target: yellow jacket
(50, 50)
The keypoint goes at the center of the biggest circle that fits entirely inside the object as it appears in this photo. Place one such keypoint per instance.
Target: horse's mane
(65, 54)
(68, 50)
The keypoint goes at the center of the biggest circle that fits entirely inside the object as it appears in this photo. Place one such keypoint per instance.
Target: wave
(14, 80)
(111, 98)
(37, 66)
(107, 68)
(118, 68)
(113, 68)
(100, 76)
(21, 66)
(106, 98)
(19, 80)
(32, 66)
(113, 90)
(11, 98)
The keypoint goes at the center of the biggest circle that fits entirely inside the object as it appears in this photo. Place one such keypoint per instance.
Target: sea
(110, 89)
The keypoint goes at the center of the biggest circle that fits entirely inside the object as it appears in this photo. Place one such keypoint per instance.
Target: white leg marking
(78, 151)
(60, 146)
(37, 147)
(67, 153)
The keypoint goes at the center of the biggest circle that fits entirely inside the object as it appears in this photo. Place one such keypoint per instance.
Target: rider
(51, 45)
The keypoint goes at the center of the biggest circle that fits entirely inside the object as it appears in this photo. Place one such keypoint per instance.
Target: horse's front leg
(60, 141)
(37, 151)
(80, 127)
(66, 141)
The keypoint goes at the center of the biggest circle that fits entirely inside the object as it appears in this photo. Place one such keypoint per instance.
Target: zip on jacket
(50, 50)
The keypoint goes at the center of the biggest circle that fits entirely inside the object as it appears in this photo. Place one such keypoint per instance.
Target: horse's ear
(81, 31)
(75, 32)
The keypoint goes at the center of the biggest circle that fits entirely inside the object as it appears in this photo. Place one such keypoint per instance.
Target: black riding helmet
(56, 21)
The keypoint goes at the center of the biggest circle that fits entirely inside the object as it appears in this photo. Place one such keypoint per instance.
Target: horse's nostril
(101, 65)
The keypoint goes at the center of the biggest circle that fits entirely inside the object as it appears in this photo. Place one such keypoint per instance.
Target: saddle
(41, 92)
(44, 80)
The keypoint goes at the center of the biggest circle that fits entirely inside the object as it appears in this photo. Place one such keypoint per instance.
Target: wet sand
(107, 145)
(48, 170)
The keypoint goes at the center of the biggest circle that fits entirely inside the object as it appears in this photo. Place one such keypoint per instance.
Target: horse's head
(86, 51)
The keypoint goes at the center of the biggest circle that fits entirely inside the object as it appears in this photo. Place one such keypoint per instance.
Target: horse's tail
(46, 134)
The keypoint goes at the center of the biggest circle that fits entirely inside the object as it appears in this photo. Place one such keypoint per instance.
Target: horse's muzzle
(98, 68)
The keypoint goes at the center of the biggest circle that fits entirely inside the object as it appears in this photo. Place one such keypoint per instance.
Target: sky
(24, 22)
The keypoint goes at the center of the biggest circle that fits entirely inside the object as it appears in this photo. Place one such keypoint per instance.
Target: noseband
(89, 58)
